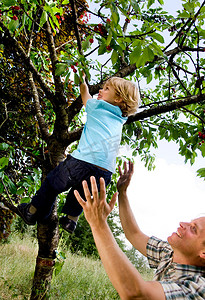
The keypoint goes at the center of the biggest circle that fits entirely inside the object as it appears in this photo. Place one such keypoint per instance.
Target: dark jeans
(69, 174)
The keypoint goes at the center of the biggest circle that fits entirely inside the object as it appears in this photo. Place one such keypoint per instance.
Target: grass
(80, 278)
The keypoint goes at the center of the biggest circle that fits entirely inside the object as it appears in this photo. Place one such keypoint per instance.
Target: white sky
(160, 199)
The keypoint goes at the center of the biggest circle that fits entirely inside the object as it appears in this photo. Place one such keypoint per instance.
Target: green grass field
(80, 277)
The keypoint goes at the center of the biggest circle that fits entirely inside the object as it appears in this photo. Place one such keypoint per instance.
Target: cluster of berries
(15, 9)
(201, 135)
(73, 67)
(172, 28)
(100, 28)
(85, 17)
(60, 18)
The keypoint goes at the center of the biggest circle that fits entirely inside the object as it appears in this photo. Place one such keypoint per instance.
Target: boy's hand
(125, 178)
(96, 209)
(84, 90)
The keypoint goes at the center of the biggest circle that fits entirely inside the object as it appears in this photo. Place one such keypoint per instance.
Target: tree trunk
(48, 238)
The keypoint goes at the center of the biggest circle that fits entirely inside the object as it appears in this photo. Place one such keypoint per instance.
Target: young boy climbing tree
(94, 156)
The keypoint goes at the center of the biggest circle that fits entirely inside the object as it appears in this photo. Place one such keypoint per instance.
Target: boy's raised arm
(84, 91)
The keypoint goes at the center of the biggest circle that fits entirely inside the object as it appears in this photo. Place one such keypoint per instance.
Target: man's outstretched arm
(123, 275)
(131, 229)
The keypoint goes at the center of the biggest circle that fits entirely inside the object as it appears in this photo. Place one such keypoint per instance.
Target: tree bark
(48, 238)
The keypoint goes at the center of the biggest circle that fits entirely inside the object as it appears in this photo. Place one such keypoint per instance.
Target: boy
(95, 155)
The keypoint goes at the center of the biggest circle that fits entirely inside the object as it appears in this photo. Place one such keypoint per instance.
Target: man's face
(107, 93)
(187, 241)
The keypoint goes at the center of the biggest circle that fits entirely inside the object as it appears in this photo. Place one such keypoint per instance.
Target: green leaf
(161, 2)
(11, 186)
(76, 79)
(60, 68)
(135, 54)
(4, 161)
(13, 25)
(189, 7)
(150, 2)
(102, 49)
(203, 150)
(44, 17)
(148, 54)
(184, 14)
(3, 146)
(135, 5)
(201, 173)
(20, 191)
(202, 33)
(85, 45)
(8, 2)
(157, 37)
(114, 57)
(157, 49)
(109, 38)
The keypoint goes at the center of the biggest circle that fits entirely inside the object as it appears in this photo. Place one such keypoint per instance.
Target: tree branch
(41, 120)
(9, 204)
(59, 89)
(165, 108)
(77, 34)
(27, 61)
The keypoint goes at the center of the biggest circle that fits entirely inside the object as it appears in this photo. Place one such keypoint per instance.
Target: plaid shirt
(179, 282)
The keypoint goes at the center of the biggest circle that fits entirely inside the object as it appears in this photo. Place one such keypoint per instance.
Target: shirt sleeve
(156, 250)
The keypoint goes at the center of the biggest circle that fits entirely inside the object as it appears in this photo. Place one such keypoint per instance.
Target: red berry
(108, 20)
(15, 18)
(108, 48)
(202, 141)
(76, 64)
(15, 7)
(74, 70)
(72, 67)
(127, 20)
(91, 40)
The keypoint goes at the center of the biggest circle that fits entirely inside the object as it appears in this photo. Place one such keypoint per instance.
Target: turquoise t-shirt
(101, 136)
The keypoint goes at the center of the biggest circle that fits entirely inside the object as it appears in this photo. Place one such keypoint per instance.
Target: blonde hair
(128, 91)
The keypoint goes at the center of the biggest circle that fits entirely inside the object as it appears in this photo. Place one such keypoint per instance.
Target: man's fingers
(113, 200)
(94, 187)
(86, 190)
(131, 167)
(78, 197)
(102, 189)
(125, 167)
(120, 170)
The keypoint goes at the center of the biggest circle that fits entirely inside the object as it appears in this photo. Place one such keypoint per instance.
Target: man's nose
(183, 224)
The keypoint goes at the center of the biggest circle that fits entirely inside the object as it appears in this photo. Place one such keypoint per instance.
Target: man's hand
(96, 209)
(125, 178)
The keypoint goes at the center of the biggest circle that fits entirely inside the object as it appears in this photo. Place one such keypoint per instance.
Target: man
(180, 263)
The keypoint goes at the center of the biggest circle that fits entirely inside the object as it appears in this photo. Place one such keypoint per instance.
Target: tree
(45, 46)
